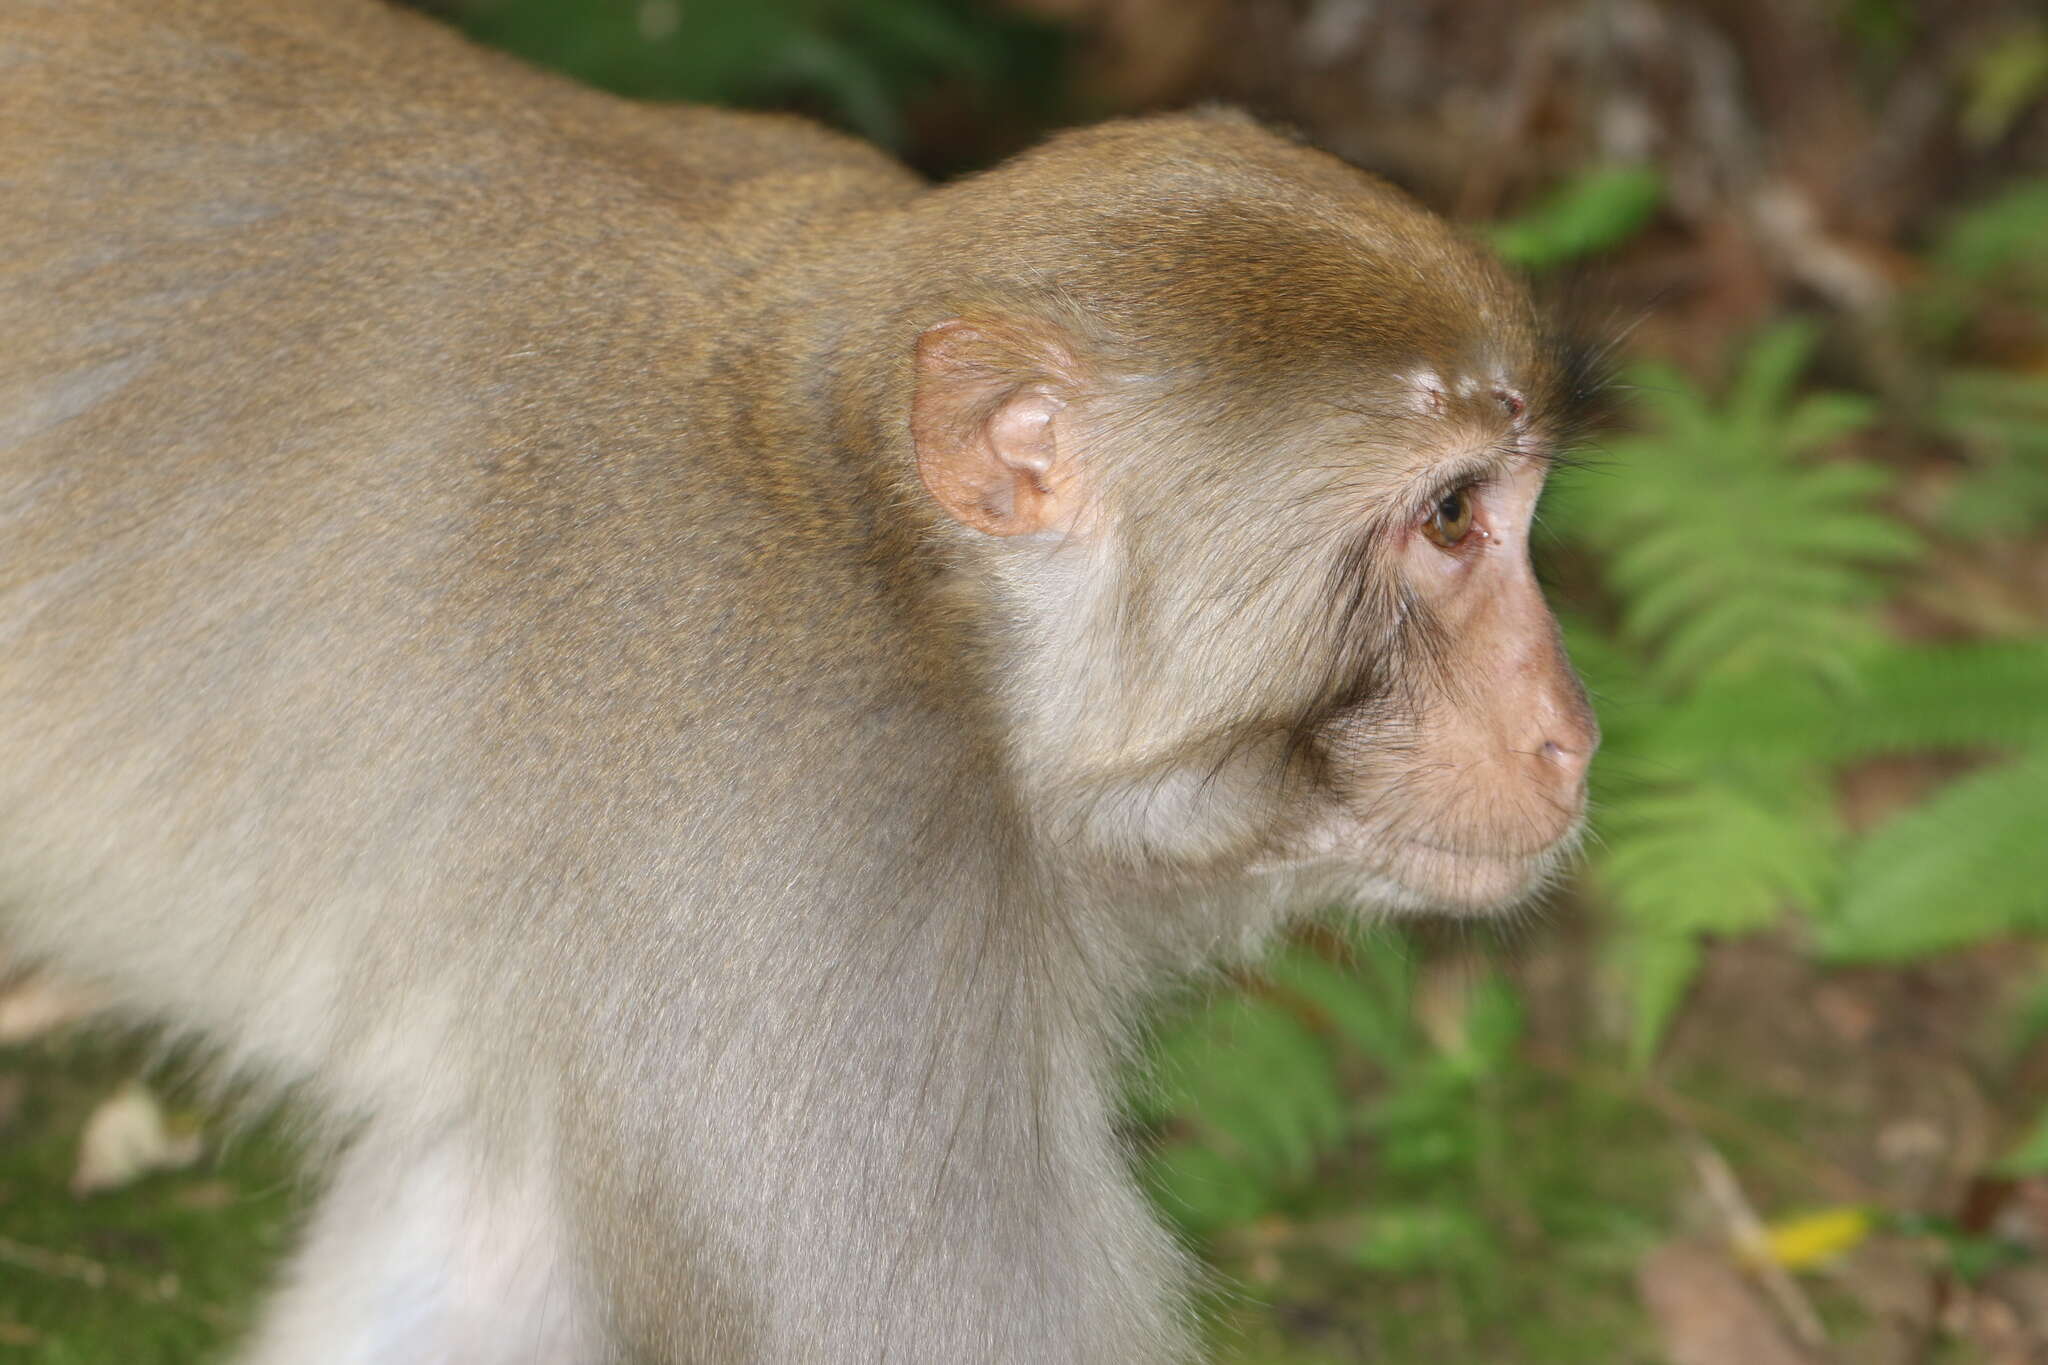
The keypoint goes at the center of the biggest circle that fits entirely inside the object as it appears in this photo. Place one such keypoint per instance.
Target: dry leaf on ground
(128, 1136)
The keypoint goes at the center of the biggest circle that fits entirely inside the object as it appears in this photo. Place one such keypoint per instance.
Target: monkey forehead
(1432, 393)
(1230, 287)
(1208, 241)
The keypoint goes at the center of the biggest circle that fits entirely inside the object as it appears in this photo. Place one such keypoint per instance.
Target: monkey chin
(1404, 875)
(1438, 880)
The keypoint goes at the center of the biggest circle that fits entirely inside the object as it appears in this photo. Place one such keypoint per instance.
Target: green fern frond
(1248, 1088)
(1667, 605)
(1992, 249)
(1652, 968)
(1969, 863)
(1984, 695)
(1730, 554)
(1999, 418)
(1731, 818)
(1755, 634)
(1256, 1091)
(1745, 578)
(1592, 212)
(1717, 854)
(2004, 231)
(1769, 368)
(1791, 719)
(1724, 850)
(1365, 1005)
(1821, 418)
(1899, 698)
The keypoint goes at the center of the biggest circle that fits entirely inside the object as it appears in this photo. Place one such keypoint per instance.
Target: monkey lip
(1465, 880)
(1434, 873)
(1535, 848)
(1467, 883)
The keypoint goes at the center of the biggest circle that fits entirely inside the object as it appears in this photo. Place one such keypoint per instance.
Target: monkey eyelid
(1480, 467)
(1473, 471)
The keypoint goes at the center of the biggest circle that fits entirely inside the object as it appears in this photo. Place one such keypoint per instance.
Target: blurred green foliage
(160, 1272)
(1746, 541)
(1306, 1114)
(1729, 551)
(858, 63)
(1254, 1083)
(1594, 211)
(1747, 544)
(1990, 258)
(2008, 75)
(1998, 420)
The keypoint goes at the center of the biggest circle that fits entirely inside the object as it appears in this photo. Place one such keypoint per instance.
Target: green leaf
(1406, 1239)
(2031, 1156)
(1656, 969)
(854, 85)
(1969, 863)
(1361, 1009)
(1202, 1188)
(2007, 77)
(1594, 211)
(1770, 365)
(1254, 1083)
(1731, 554)
(1987, 694)
(1715, 854)
(2000, 420)
(1820, 418)
(2005, 230)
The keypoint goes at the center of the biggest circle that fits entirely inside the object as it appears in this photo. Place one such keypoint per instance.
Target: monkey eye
(1450, 519)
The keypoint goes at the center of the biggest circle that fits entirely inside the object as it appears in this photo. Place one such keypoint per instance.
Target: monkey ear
(984, 421)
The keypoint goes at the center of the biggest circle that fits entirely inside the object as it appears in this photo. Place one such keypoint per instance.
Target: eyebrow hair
(1452, 472)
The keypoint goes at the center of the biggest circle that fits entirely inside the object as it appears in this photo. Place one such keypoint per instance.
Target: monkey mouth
(1464, 881)
(1431, 873)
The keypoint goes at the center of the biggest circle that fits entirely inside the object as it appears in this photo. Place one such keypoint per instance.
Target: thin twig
(1751, 1239)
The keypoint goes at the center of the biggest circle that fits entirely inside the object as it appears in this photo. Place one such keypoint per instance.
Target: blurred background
(1767, 1084)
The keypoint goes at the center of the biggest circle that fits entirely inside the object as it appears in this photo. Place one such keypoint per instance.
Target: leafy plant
(855, 61)
(1728, 550)
(1253, 1089)
(2008, 75)
(1988, 256)
(1593, 211)
(1969, 863)
(1999, 419)
(1248, 1085)
(1745, 667)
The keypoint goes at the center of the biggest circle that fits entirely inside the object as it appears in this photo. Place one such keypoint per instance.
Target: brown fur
(483, 638)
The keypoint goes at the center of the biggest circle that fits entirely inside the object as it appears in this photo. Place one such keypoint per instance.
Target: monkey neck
(1112, 799)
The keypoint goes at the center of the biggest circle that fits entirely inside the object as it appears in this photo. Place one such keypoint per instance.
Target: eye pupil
(1451, 519)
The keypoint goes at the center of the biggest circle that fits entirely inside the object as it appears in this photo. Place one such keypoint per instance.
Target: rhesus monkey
(680, 684)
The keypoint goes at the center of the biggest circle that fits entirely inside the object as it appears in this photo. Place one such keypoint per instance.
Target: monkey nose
(1569, 760)
(1567, 734)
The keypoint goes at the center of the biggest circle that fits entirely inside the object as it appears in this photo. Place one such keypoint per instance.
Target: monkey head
(1252, 472)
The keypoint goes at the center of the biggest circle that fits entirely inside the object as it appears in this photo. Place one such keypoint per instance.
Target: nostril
(1572, 761)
